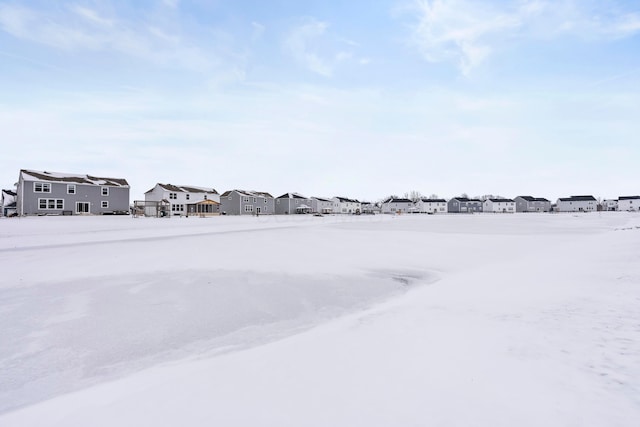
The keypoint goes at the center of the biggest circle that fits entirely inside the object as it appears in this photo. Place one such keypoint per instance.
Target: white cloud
(468, 32)
(147, 41)
(299, 45)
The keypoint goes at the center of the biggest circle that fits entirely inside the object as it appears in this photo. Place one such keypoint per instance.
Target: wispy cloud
(299, 44)
(468, 32)
(80, 28)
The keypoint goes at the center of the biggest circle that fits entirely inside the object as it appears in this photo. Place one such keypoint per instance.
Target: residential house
(577, 204)
(397, 206)
(532, 204)
(431, 206)
(242, 202)
(629, 203)
(321, 205)
(292, 203)
(371, 208)
(184, 199)
(496, 205)
(610, 205)
(52, 193)
(464, 205)
(343, 205)
(9, 205)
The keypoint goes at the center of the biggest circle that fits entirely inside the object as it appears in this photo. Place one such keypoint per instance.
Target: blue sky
(361, 99)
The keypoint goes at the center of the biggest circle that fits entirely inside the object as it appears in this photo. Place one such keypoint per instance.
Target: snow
(453, 320)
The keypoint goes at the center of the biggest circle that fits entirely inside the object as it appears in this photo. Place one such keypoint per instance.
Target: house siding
(234, 204)
(118, 198)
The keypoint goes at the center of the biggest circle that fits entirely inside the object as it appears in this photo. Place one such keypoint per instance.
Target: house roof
(248, 193)
(29, 175)
(292, 196)
(501, 200)
(185, 189)
(466, 199)
(345, 200)
(433, 200)
(628, 197)
(205, 202)
(578, 199)
(397, 201)
(10, 193)
(321, 199)
(534, 199)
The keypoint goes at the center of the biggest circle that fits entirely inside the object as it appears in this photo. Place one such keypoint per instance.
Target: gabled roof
(248, 193)
(185, 189)
(501, 200)
(466, 199)
(578, 199)
(345, 200)
(629, 198)
(397, 201)
(292, 196)
(533, 199)
(29, 175)
(10, 193)
(434, 200)
(320, 199)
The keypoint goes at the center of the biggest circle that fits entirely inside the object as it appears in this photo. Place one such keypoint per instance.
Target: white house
(431, 206)
(577, 204)
(629, 203)
(183, 199)
(610, 205)
(499, 206)
(9, 203)
(343, 205)
(321, 205)
(371, 208)
(397, 206)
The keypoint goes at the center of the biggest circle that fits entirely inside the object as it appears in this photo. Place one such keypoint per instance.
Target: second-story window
(41, 187)
(71, 189)
(105, 191)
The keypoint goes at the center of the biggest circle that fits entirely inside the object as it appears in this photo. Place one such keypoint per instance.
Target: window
(71, 189)
(105, 191)
(105, 204)
(205, 197)
(245, 199)
(255, 200)
(41, 187)
(51, 204)
(265, 201)
(173, 196)
(248, 208)
(189, 195)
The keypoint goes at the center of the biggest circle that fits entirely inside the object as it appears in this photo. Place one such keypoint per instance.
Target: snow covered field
(452, 320)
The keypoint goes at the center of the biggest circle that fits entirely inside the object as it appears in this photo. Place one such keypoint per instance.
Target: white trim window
(71, 189)
(173, 196)
(51, 204)
(104, 191)
(245, 199)
(248, 208)
(42, 187)
(105, 204)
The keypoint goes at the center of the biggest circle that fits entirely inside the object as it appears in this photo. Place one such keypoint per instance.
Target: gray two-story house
(532, 204)
(53, 193)
(293, 203)
(241, 202)
(464, 205)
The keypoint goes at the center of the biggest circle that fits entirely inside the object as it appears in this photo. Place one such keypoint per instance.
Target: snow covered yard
(452, 320)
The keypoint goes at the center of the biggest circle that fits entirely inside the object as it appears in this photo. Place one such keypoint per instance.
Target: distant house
(52, 193)
(370, 208)
(577, 204)
(292, 203)
(495, 205)
(184, 199)
(9, 205)
(321, 205)
(464, 205)
(610, 205)
(431, 206)
(629, 203)
(343, 205)
(532, 204)
(242, 202)
(397, 206)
